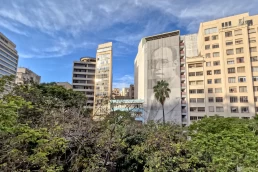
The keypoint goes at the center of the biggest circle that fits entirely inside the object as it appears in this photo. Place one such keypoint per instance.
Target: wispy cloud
(123, 82)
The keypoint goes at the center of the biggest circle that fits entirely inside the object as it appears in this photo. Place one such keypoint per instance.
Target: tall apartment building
(131, 91)
(25, 75)
(103, 80)
(125, 92)
(83, 78)
(162, 57)
(223, 79)
(8, 56)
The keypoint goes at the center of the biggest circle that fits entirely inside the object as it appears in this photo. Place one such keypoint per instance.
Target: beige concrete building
(66, 85)
(25, 75)
(223, 79)
(125, 92)
(8, 56)
(83, 78)
(115, 92)
(162, 57)
(103, 80)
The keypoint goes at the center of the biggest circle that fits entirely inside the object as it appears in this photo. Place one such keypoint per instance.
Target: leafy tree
(161, 92)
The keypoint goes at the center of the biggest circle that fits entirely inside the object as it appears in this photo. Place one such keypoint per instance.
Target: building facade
(103, 80)
(66, 85)
(131, 91)
(8, 56)
(125, 92)
(84, 78)
(25, 75)
(162, 57)
(223, 79)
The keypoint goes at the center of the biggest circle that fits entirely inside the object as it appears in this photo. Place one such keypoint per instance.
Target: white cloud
(123, 81)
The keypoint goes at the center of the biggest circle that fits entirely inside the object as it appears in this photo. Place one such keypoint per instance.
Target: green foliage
(46, 128)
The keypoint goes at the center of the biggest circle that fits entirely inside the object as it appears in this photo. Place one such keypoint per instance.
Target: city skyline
(49, 39)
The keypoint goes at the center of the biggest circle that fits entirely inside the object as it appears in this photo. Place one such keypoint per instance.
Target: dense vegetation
(46, 128)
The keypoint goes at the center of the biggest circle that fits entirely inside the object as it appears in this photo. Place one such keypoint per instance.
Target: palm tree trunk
(163, 114)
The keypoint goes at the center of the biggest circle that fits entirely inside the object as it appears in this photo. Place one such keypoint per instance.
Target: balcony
(182, 44)
(182, 60)
(183, 102)
(182, 68)
(183, 85)
(182, 76)
(183, 110)
(183, 93)
(182, 52)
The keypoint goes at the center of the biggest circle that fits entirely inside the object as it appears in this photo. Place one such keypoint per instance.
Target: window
(230, 61)
(209, 72)
(210, 99)
(228, 43)
(192, 91)
(233, 89)
(249, 22)
(217, 72)
(255, 78)
(199, 65)
(191, 73)
(211, 109)
(245, 109)
(200, 91)
(193, 109)
(216, 63)
(193, 118)
(251, 30)
(215, 37)
(210, 90)
(191, 82)
(208, 55)
(253, 49)
(207, 38)
(243, 99)
(201, 109)
(191, 66)
(232, 80)
(239, 50)
(216, 54)
(200, 100)
(240, 60)
(219, 99)
(228, 34)
(238, 41)
(238, 32)
(234, 109)
(199, 73)
(255, 88)
(243, 89)
(241, 69)
(231, 70)
(255, 99)
(255, 69)
(218, 90)
(209, 81)
(233, 99)
(208, 63)
(192, 100)
(254, 59)
(207, 47)
(199, 82)
(217, 81)
(241, 79)
(230, 51)
(252, 40)
(256, 109)
(210, 30)
(219, 109)
(215, 46)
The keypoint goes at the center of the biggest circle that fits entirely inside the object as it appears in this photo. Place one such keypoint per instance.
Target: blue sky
(51, 34)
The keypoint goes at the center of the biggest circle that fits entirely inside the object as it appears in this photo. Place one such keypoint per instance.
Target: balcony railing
(183, 85)
(183, 93)
(182, 76)
(183, 102)
(182, 60)
(182, 52)
(182, 68)
(182, 44)
(183, 110)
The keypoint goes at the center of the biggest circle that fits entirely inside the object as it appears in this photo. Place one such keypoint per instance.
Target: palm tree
(162, 91)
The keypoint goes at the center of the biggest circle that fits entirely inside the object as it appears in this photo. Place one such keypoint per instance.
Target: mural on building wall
(163, 63)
